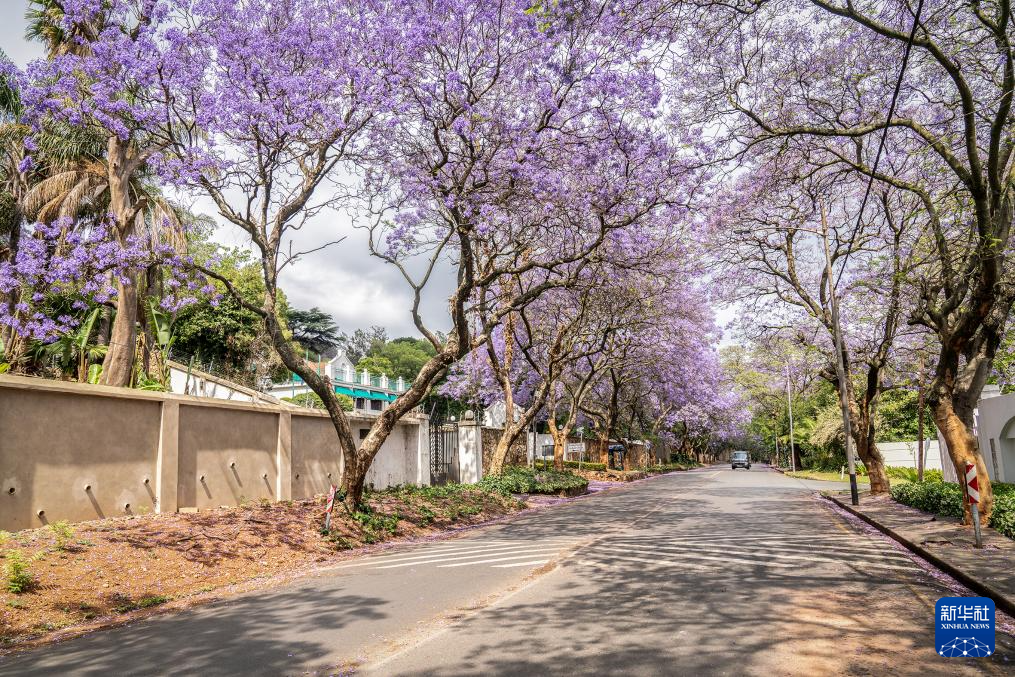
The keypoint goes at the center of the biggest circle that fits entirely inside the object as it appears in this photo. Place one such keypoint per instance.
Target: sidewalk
(946, 544)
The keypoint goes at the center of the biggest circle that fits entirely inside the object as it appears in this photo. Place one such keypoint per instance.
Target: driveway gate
(443, 448)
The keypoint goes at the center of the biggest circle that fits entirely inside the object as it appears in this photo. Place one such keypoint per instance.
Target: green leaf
(94, 373)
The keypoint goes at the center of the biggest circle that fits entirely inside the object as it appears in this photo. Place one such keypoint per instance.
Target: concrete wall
(71, 451)
(903, 454)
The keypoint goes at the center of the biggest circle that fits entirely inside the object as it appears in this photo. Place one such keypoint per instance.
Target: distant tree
(363, 342)
(315, 330)
(406, 356)
(229, 337)
(375, 365)
(312, 400)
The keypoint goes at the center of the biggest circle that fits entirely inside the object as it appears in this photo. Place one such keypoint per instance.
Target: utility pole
(789, 401)
(840, 366)
(919, 425)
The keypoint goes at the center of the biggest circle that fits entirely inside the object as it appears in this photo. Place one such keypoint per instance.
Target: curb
(1002, 602)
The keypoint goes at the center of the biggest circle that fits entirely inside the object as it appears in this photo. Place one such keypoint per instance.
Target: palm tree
(45, 25)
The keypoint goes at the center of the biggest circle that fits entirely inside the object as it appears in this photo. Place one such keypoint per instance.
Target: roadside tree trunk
(118, 365)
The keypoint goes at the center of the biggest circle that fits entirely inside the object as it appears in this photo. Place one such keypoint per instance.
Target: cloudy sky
(344, 280)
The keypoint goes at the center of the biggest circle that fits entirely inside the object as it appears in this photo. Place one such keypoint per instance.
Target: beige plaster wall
(78, 452)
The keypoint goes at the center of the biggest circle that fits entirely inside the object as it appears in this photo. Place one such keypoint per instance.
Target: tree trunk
(118, 365)
(862, 424)
(963, 448)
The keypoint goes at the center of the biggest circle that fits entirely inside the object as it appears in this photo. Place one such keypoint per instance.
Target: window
(361, 403)
(363, 433)
(376, 405)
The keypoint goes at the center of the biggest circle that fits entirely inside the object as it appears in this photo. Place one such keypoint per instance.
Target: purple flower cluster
(84, 263)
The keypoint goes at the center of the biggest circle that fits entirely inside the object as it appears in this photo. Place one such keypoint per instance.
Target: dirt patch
(104, 571)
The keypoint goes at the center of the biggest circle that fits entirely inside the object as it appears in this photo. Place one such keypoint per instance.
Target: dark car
(741, 459)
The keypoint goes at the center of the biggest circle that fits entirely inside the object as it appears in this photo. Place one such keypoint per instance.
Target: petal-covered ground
(110, 571)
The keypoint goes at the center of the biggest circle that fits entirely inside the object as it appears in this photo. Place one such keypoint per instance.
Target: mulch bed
(112, 569)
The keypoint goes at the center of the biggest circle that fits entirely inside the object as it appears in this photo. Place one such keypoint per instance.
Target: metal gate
(443, 448)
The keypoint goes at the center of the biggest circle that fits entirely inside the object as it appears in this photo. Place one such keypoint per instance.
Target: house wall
(903, 454)
(995, 427)
(71, 451)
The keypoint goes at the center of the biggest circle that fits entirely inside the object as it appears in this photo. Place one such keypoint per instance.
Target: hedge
(945, 498)
(909, 474)
(523, 480)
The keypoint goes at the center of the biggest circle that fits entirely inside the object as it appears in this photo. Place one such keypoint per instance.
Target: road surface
(710, 572)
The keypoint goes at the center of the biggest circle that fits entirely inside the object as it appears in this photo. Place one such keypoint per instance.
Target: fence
(77, 452)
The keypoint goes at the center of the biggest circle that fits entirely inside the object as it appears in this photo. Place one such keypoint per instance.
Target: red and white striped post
(973, 494)
(329, 508)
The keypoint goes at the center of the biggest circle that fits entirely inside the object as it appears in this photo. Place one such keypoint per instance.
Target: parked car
(741, 459)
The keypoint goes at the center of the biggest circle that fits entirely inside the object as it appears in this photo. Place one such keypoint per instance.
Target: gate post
(423, 451)
(470, 449)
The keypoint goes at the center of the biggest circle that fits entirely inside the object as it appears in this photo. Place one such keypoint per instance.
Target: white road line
(429, 554)
(801, 558)
(681, 562)
(486, 561)
(855, 553)
(726, 560)
(520, 564)
(527, 552)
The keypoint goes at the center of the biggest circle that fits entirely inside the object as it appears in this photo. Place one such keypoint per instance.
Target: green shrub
(910, 475)
(375, 525)
(17, 574)
(945, 498)
(63, 532)
(941, 498)
(523, 480)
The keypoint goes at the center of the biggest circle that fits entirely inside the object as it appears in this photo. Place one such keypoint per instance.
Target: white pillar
(470, 449)
(423, 452)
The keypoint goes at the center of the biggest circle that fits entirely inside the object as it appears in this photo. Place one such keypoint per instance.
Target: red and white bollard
(973, 494)
(329, 508)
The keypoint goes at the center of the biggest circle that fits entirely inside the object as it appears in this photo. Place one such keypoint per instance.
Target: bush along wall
(945, 498)
(523, 480)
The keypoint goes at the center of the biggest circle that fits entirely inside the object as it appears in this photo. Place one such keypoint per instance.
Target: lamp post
(840, 367)
(789, 401)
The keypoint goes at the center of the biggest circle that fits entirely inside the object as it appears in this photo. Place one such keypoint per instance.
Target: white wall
(996, 435)
(903, 454)
(186, 381)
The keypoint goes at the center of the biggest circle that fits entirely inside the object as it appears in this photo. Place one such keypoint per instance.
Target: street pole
(919, 424)
(789, 401)
(840, 367)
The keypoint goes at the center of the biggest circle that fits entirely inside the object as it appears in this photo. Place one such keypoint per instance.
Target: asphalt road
(710, 572)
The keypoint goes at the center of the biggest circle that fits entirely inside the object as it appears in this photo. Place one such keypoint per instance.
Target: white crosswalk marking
(520, 564)
(487, 561)
(880, 562)
(443, 552)
(473, 553)
(620, 552)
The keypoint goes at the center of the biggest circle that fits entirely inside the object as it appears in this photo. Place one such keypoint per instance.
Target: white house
(370, 392)
(994, 426)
